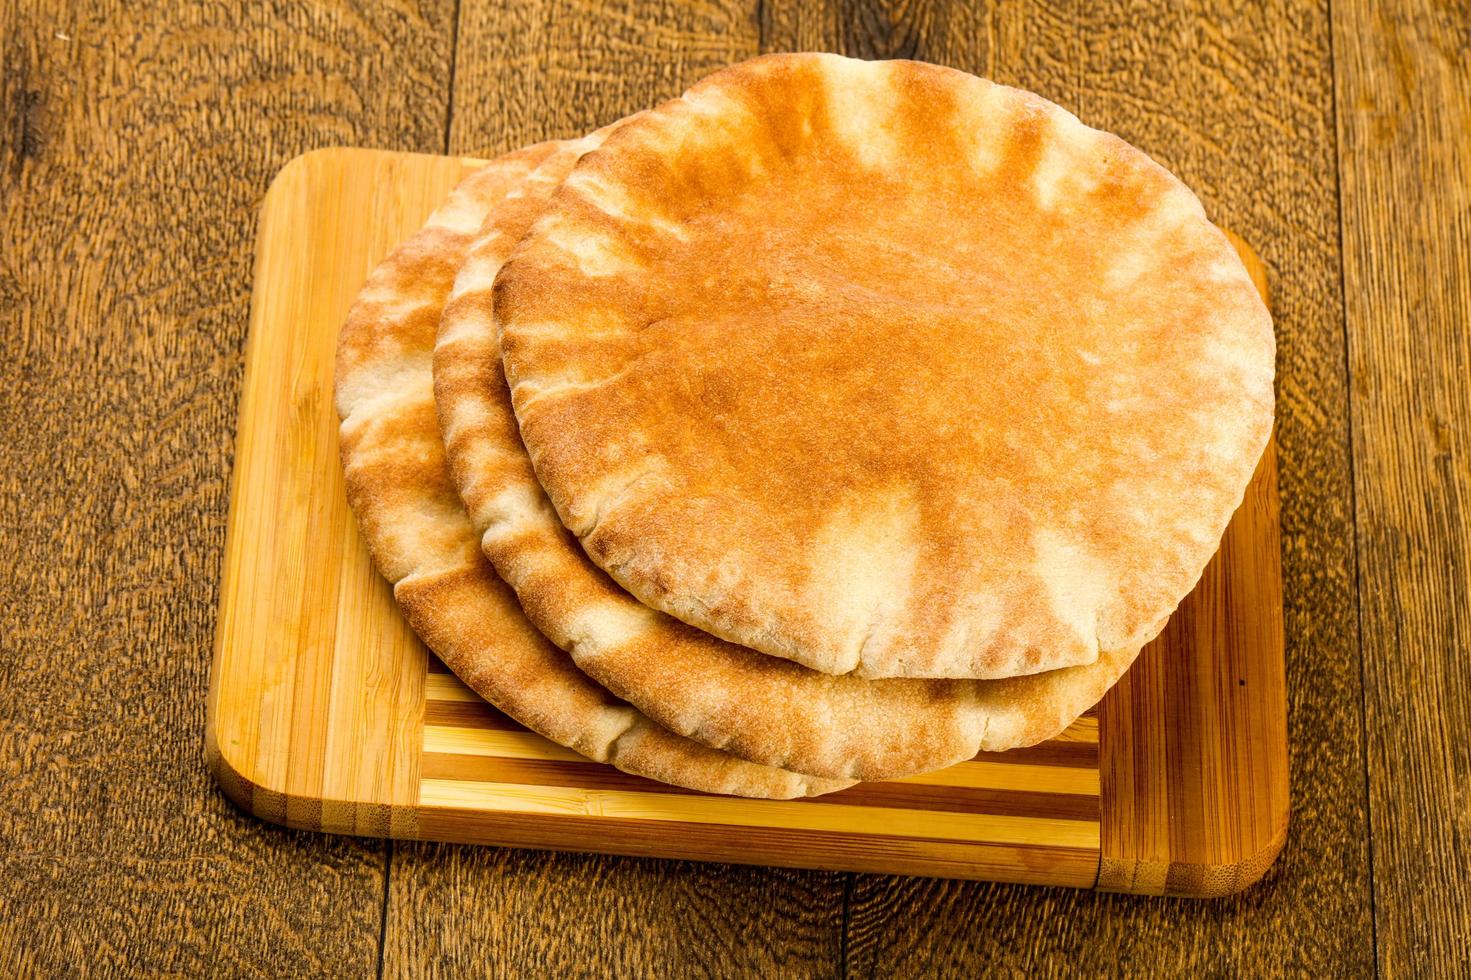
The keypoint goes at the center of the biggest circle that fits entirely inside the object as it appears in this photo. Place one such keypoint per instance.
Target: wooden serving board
(326, 712)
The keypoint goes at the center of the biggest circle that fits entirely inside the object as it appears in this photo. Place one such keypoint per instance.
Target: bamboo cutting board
(326, 713)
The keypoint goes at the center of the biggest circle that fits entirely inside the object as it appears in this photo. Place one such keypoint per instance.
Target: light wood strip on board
(1403, 92)
(495, 744)
(448, 687)
(992, 773)
(730, 812)
(916, 796)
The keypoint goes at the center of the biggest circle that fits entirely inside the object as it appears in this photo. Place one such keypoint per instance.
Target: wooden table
(136, 141)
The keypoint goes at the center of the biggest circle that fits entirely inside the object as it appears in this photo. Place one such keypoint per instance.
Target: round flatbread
(881, 367)
(421, 540)
(760, 708)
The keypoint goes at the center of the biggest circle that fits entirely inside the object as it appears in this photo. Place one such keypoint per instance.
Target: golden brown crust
(880, 367)
(400, 489)
(761, 708)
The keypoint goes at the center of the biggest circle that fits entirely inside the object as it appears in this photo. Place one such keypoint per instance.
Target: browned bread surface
(883, 368)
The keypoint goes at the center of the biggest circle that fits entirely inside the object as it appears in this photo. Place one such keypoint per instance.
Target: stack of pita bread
(834, 421)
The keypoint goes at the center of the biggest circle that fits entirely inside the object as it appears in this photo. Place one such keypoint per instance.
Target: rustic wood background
(136, 141)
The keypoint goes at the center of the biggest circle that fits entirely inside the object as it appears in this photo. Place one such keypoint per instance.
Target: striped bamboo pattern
(1025, 806)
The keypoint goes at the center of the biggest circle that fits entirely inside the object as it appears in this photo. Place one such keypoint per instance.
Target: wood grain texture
(135, 143)
(1404, 109)
(556, 69)
(1239, 104)
(526, 913)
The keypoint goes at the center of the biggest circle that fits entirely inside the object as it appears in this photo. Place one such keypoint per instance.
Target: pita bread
(421, 540)
(764, 709)
(881, 367)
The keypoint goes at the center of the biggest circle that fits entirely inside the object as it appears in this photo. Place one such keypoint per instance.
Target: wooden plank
(557, 68)
(1404, 110)
(1239, 104)
(136, 141)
